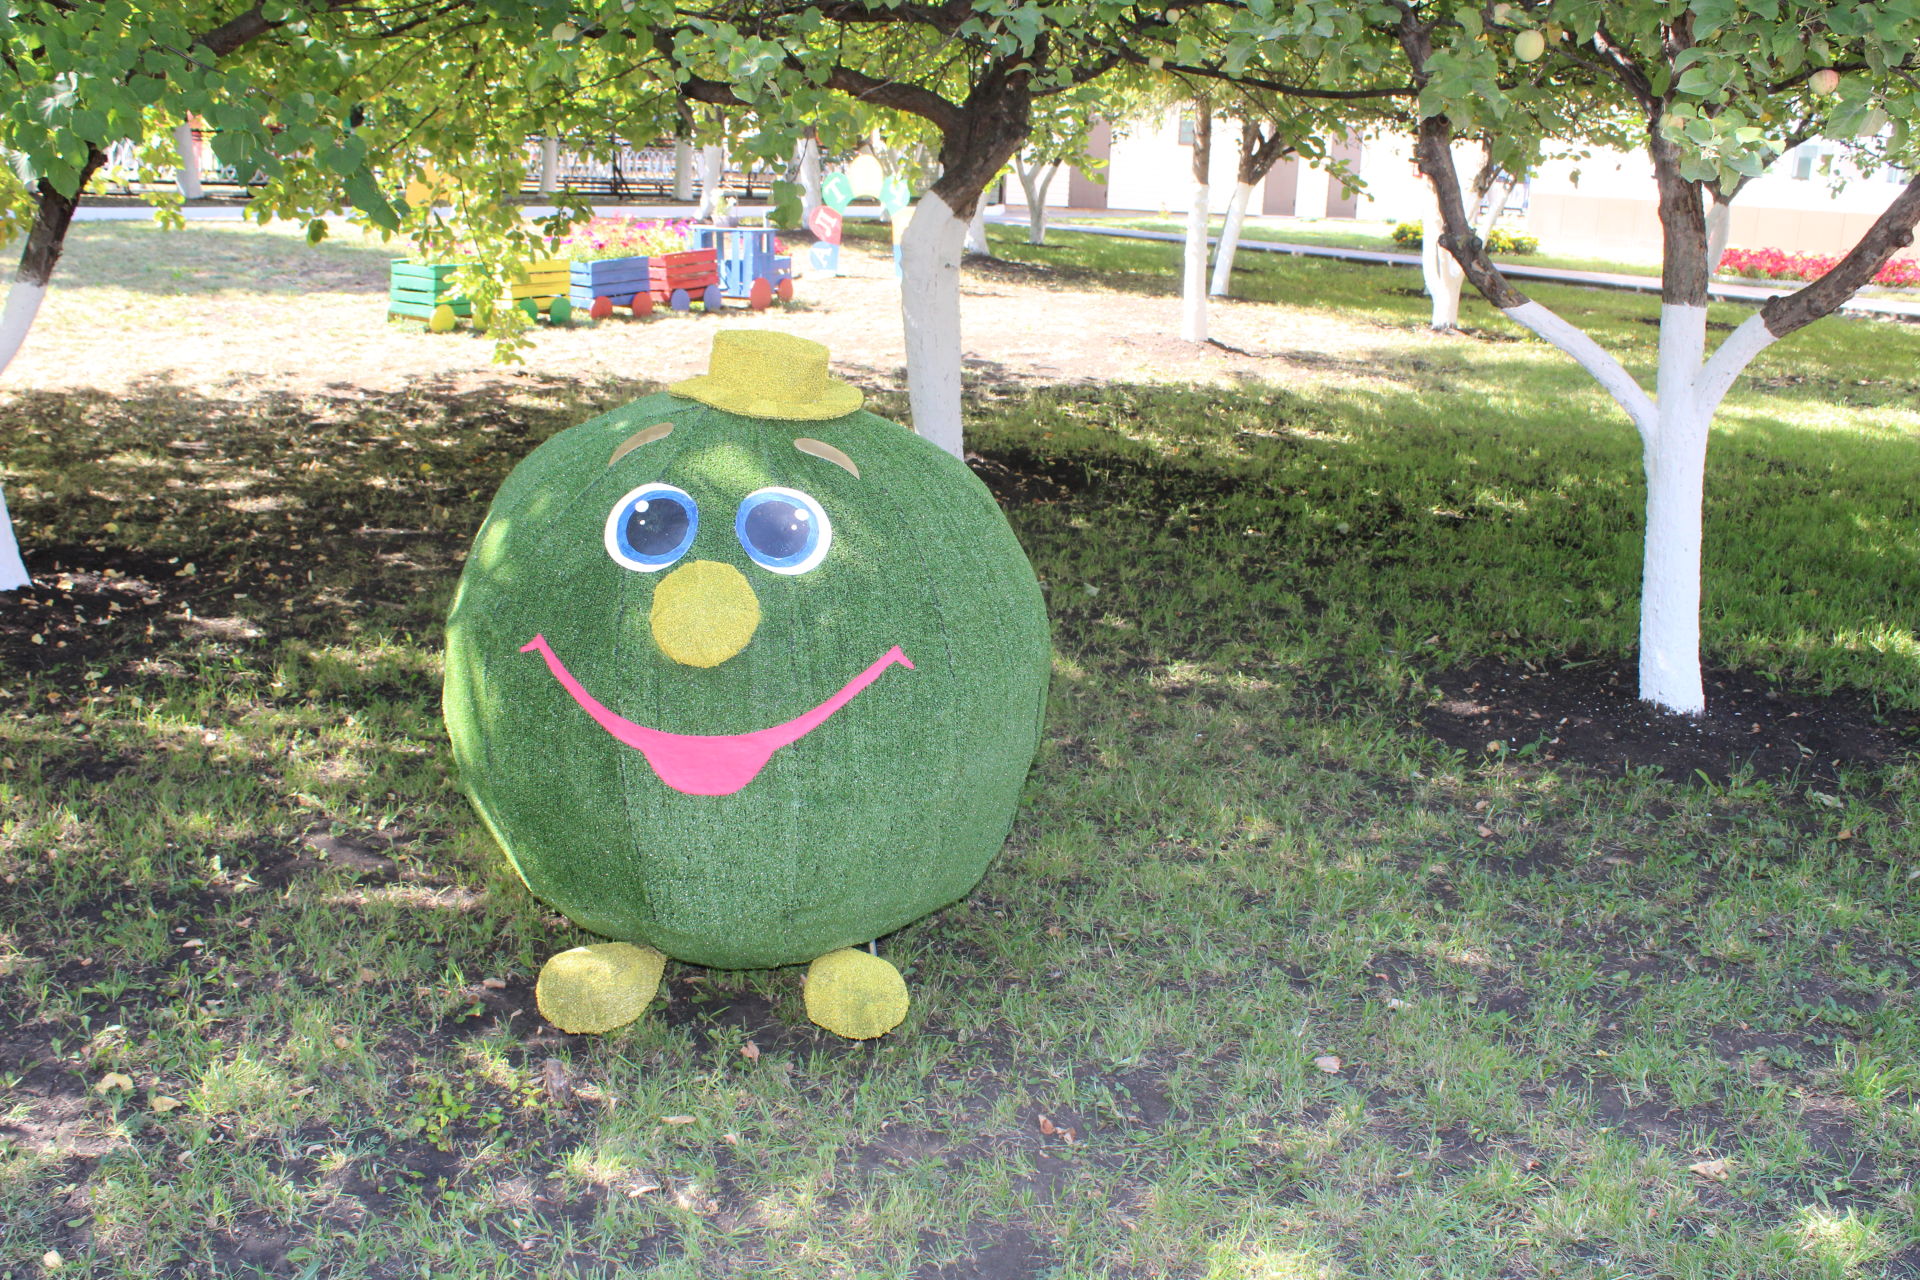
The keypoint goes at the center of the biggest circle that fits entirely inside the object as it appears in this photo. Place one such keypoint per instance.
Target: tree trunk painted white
(549, 166)
(713, 170)
(809, 166)
(1495, 205)
(682, 169)
(1193, 284)
(13, 570)
(16, 318)
(1719, 224)
(930, 313)
(1230, 239)
(1675, 460)
(977, 241)
(1673, 430)
(188, 175)
(1034, 181)
(1443, 275)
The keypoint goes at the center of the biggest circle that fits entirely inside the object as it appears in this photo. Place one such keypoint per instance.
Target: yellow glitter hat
(757, 373)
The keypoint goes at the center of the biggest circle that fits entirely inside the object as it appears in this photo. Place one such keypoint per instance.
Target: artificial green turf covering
(889, 809)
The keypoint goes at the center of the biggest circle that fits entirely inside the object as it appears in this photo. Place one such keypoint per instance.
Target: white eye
(783, 530)
(652, 527)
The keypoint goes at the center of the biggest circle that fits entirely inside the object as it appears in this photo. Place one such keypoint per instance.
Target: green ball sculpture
(743, 676)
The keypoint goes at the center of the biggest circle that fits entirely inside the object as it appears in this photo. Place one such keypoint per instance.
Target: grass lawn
(1268, 983)
(1341, 233)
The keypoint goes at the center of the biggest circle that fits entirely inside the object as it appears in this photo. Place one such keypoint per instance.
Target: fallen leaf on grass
(162, 1103)
(553, 1080)
(1486, 832)
(493, 984)
(1328, 1063)
(1712, 1170)
(676, 1119)
(366, 976)
(114, 1080)
(750, 1051)
(52, 1260)
(1395, 1002)
(1052, 1130)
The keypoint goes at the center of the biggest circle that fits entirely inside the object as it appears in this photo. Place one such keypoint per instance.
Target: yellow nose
(704, 613)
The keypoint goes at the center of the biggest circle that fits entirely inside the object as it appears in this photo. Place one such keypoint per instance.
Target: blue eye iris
(783, 530)
(652, 527)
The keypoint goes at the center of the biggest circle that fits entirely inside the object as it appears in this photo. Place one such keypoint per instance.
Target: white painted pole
(1443, 275)
(549, 165)
(977, 241)
(1230, 240)
(809, 179)
(1676, 464)
(713, 167)
(188, 175)
(682, 170)
(930, 313)
(1193, 284)
(16, 318)
(13, 570)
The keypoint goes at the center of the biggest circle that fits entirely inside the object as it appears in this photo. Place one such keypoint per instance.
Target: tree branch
(1890, 233)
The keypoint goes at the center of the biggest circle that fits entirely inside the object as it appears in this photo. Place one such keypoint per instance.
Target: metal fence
(621, 172)
(629, 170)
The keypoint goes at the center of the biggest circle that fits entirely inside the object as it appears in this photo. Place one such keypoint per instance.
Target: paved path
(1900, 308)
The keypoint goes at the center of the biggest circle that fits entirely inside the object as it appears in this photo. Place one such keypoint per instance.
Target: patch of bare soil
(1022, 324)
(1589, 713)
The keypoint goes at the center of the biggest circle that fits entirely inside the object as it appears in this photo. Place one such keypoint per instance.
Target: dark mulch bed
(1588, 713)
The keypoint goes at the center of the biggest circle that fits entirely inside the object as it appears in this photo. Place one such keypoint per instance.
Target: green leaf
(363, 192)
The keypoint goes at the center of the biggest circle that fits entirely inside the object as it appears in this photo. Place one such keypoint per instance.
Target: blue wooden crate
(615, 278)
(746, 254)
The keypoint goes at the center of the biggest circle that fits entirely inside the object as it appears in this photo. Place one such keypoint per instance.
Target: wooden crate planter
(681, 279)
(600, 286)
(546, 289)
(425, 290)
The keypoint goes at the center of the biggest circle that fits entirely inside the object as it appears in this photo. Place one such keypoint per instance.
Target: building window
(1186, 131)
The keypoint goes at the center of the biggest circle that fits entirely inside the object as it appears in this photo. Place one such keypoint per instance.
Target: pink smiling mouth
(711, 764)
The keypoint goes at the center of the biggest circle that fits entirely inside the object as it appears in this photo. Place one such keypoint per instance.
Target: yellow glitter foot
(854, 994)
(592, 989)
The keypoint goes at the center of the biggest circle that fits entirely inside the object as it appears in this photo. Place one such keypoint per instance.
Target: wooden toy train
(725, 264)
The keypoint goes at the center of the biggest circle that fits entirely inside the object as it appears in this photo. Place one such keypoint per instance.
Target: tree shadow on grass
(242, 849)
(215, 257)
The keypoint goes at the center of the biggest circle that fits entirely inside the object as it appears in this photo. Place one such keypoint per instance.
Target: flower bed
(607, 238)
(1777, 264)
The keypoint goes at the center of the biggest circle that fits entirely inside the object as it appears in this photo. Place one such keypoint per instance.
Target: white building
(1809, 202)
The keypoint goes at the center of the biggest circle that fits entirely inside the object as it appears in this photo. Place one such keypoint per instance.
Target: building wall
(1609, 202)
(1149, 168)
(1604, 202)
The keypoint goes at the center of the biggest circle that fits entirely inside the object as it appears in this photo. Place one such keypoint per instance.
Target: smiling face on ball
(704, 612)
(746, 690)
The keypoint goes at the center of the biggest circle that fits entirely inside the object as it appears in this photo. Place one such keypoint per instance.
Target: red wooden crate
(688, 269)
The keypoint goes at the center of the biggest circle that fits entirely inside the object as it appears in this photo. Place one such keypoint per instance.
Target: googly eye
(783, 530)
(652, 527)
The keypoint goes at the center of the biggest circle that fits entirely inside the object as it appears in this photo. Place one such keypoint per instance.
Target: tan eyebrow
(821, 449)
(645, 435)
